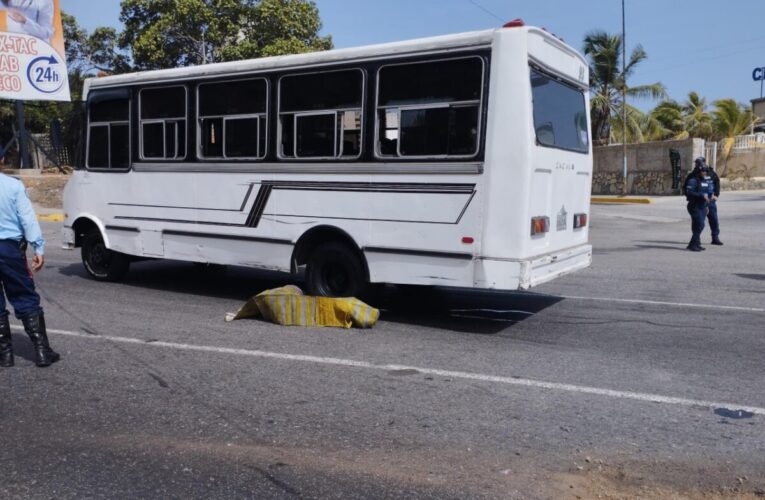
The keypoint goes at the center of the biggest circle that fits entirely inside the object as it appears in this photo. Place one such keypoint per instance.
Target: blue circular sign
(44, 74)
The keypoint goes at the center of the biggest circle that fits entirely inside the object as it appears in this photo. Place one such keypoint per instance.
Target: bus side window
(320, 115)
(430, 109)
(108, 133)
(163, 123)
(232, 120)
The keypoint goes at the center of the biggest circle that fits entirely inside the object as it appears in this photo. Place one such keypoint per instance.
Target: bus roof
(472, 39)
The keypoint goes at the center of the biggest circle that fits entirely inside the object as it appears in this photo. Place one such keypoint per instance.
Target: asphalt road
(641, 376)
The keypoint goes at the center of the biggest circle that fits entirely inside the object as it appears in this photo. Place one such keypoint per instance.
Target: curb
(644, 201)
(51, 218)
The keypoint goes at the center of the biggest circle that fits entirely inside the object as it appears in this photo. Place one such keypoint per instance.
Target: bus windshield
(560, 115)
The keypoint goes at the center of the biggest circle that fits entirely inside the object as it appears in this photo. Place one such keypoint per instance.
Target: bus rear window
(560, 114)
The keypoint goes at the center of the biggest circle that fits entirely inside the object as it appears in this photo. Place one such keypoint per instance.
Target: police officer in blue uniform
(18, 225)
(714, 223)
(698, 190)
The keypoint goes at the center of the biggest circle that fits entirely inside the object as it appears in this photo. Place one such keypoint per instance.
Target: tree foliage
(608, 81)
(681, 121)
(730, 119)
(171, 33)
(97, 51)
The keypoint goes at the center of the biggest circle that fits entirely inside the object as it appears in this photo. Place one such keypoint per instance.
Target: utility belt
(696, 202)
(21, 244)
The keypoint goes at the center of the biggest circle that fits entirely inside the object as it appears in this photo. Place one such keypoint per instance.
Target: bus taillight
(580, 220)
(540, 225)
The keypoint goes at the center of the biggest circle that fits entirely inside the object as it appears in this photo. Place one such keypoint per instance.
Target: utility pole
(624, 100)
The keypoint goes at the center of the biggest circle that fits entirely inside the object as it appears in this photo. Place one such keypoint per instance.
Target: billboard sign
(32, 57)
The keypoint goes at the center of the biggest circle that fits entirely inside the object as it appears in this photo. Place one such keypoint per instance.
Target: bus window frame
(361, 109)
(174, 119)
(261, 117)
(385, 109)
(127, 122)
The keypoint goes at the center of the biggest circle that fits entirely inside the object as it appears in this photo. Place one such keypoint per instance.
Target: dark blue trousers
(714, 224)
(16, 279)
(698, 214)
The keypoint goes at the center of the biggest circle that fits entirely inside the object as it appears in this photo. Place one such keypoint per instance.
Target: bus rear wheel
(335, 270)
(101, 263)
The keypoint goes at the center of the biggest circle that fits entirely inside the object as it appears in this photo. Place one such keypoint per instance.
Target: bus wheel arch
(81, 227)
(335, 265)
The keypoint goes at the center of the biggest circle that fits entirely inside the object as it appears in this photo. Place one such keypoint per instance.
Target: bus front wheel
(335, 270)
(101, 263)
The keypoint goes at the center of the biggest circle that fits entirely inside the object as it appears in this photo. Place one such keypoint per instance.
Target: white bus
(460, 160)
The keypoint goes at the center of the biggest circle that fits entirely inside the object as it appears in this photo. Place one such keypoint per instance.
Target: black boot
(6, 344)
(34, 325)
(716, 241)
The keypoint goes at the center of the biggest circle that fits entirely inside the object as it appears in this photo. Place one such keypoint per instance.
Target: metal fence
(46, 155)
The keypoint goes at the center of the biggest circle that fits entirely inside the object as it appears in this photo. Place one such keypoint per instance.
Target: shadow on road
(454, 309)
(460, 309)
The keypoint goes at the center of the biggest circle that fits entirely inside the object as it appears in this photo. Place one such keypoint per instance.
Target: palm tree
(607, 81)
(698, 123)
(670, 115)
(730, 119)
(641, 127)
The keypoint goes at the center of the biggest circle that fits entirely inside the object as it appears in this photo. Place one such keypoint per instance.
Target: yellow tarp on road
(288, 306)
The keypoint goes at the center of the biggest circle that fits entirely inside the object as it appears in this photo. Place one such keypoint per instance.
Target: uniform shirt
(17, 216)
(710, 184)
(39, 18)
(696, 188)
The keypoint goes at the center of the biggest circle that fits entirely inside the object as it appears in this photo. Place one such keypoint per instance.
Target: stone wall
(743, 163)
(649, 170)
(648, 167)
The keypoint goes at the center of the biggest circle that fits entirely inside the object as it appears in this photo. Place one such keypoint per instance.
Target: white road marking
(493, 310)
(636, 396)
(659, 303)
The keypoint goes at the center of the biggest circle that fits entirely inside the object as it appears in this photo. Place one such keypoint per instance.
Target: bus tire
(335, 270)
(101, 263)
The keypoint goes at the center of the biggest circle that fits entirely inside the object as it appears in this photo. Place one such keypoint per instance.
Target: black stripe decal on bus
(266, 187)
(230, 237)
(370, 187)
(256, 212)
(122, 228)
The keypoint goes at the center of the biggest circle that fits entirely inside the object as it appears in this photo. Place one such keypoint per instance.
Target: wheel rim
(335, 278)
(99, 258)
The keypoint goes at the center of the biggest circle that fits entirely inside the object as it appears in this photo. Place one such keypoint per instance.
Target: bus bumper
(506, 274)
(67, 238)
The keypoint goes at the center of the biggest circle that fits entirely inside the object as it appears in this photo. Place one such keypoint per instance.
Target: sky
(707, 46)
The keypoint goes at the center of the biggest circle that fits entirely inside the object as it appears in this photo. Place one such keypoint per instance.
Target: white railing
(749, 141)
(710, 153)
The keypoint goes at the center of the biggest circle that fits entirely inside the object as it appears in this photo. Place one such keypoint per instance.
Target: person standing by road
(18, 225)
(697, 193)
(714, 223)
